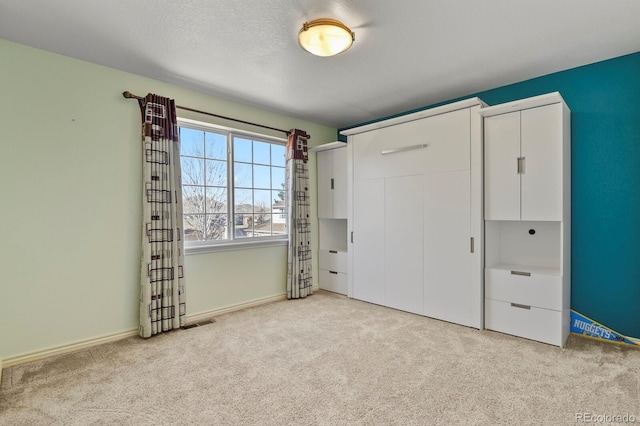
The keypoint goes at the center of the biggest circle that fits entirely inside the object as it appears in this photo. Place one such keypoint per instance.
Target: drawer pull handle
(333, 272)
(524, 274)
(333, 251)
(517, 305)
(404, 148)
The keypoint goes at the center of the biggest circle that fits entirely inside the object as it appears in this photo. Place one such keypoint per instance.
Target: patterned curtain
(162, 295)
(299, 279)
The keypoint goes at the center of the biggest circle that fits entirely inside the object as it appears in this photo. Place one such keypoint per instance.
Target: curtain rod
(129, 95)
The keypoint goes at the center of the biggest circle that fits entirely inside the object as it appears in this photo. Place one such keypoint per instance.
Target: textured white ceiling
(407, 53)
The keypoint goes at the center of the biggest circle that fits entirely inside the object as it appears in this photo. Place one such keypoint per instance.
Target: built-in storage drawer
(543, 325)
(333, 260)
(333, 281)
(523, 287)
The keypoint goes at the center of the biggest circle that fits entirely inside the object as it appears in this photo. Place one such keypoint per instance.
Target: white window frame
(232, 243)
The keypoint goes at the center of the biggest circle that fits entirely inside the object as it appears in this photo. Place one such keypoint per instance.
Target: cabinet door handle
(524, 274)
(517, 305)
(472, 245)
(404, 148)
(520, 165)
(333, 272)
(351, 237)
(332, 184)
(333, 251)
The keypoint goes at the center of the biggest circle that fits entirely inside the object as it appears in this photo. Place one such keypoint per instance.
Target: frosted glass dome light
(325, 37)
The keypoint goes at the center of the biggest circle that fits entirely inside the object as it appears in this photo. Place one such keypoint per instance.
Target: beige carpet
(325, 360)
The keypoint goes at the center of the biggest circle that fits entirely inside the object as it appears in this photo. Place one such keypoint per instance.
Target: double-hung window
(233, 186)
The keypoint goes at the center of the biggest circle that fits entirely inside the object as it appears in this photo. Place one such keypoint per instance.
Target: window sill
(233, 245)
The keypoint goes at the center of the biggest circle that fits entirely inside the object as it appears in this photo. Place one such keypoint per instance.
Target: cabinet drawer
(543, 325)
(542, 291)
(333, 260)
(333, 281)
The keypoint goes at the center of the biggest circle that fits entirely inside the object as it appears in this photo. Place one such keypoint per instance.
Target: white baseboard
(84, 344)
(71, 347)
(232, 308)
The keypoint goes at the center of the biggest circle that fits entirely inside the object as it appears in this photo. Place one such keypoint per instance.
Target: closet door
(501, 178)
(368, 244)
(447, 257)
(340, 183)
(542, 152)
(325, 192)
(403, 242)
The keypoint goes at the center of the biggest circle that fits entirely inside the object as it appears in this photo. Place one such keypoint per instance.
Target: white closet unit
(332, 180)
(332, 216)
(528, 218)
(415, 213)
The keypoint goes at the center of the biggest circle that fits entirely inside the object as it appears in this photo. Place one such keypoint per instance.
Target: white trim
(84, 344)
(237, 307)
(239, 244)
(203, 125)
(59, 350)
(521, 104)
(328, 146)
(467, 103)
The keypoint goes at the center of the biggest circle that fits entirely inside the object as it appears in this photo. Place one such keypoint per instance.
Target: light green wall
(70, 185)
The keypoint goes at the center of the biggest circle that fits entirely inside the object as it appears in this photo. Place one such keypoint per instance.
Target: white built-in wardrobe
(415, 213)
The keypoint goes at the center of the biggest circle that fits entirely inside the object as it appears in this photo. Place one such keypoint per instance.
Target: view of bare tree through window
(258, 208)
(204, 184)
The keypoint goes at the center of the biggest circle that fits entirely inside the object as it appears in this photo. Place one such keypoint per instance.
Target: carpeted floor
(326, 360)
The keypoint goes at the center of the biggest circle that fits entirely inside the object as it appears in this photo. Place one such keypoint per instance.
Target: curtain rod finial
(127, 94)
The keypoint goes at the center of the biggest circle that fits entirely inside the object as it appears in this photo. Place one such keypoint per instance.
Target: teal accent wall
(604, 99)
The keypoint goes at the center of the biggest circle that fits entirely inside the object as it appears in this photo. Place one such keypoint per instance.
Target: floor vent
(198, 324)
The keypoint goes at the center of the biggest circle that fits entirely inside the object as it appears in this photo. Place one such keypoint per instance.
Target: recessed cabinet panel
(448, 294)
(403, 242)
(501, 177)
(542, 163)
(369, 245)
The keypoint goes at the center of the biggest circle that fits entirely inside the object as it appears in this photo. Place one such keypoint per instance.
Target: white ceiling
(407, 53)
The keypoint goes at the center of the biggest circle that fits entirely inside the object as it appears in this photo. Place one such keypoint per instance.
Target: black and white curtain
(162, 291)
(299, 279)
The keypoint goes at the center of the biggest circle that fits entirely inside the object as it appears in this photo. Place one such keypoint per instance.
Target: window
(232, 186)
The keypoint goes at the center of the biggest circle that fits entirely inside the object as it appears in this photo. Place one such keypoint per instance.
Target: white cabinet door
(340, 183)
(447, 259)
(325, 193)
(332, 184)
(542, 152)
(368, 244)
(403, 243)
(501, 178)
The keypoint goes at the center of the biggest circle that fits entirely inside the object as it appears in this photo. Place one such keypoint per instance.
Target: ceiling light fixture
(325, 37)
